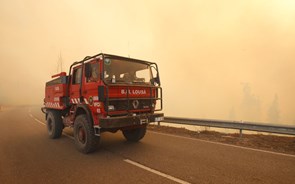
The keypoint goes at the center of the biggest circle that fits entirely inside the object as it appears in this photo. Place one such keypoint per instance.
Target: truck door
(75, 85)
(90, 84)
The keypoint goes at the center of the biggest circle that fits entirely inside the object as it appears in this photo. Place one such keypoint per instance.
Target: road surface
(27, 155)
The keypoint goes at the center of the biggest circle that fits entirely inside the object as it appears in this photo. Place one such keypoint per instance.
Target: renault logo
(135, 104)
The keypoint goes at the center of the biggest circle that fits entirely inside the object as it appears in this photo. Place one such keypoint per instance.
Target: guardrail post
(241, 133)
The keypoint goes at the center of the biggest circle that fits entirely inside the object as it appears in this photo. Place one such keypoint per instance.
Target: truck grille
(138, 104)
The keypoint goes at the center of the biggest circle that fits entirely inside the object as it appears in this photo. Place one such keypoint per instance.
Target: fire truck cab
(103, 93)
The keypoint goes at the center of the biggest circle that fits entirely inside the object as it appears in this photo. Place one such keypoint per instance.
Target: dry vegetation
(282, 144)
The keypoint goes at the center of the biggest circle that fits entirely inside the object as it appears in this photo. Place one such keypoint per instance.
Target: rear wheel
(85, 139)
(134, 135)
(54, 124)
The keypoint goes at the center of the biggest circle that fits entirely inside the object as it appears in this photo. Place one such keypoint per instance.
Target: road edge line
(224, 144)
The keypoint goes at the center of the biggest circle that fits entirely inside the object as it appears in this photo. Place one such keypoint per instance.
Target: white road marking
(126, 160)
(39, 121)
(71, 137)
(156, 172)
(224, 144)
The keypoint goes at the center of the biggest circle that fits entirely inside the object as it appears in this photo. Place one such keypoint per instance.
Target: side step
(96, 130)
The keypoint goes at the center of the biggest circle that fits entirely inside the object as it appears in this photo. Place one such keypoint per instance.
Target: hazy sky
(218, 59)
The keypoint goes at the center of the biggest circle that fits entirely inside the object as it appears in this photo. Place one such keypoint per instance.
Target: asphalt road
(27, 155)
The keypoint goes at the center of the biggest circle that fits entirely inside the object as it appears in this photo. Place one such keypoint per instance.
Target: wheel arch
(84, 109)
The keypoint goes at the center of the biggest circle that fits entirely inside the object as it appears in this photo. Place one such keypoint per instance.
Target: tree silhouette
(251, 108)
(273, 114)
(232, 114)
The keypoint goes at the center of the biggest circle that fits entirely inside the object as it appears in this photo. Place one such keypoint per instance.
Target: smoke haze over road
(218, 59)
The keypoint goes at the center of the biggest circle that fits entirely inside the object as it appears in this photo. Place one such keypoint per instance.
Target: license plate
(159, 119)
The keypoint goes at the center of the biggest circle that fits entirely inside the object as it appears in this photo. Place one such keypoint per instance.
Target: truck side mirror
(155, 80)
(87, 70)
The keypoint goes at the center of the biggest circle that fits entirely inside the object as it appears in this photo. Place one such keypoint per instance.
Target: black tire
(54, 124)
(134, 135)
(85, 139)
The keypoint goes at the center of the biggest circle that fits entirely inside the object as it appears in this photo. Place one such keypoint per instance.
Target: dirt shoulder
(281, 144)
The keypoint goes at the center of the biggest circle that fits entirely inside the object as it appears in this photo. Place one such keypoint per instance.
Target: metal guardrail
(260, 127)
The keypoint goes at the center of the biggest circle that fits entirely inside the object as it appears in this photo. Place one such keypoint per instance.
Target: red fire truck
(103, 93)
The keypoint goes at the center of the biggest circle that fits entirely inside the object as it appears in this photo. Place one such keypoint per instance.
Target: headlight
(111, 108)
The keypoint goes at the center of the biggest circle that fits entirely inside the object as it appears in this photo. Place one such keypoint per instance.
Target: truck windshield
(123, 71)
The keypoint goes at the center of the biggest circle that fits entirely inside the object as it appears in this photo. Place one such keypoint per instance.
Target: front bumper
(126, 121)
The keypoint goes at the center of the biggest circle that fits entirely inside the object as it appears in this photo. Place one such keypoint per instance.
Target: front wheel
(134, 135)
(85, 139)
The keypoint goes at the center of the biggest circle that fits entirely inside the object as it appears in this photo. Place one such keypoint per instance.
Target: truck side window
(77, 76)
(94, 72)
